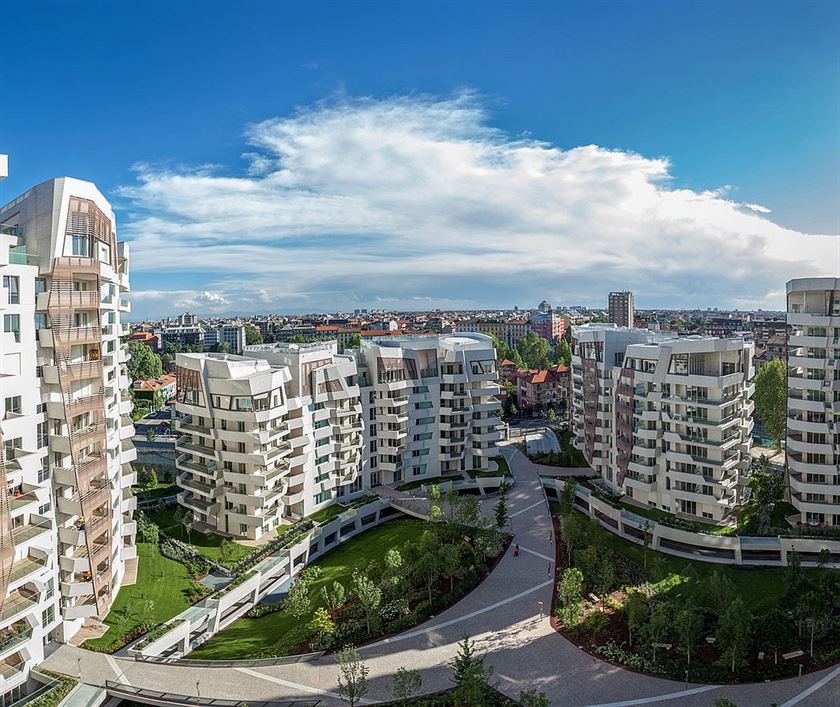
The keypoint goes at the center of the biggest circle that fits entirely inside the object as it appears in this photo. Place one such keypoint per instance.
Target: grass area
(760, 588)
(423, 482)
(576, 456)
(159, 490)
(326, 514)
(249, 636)
(205, 543)
(159, 581)
(503, 469)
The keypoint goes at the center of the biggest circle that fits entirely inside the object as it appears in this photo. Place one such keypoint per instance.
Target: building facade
(665, 421)
(548, 324)
(268, 437)
(621, 310)
(430, 406)
(66, 527)
(538, 391)
(813, 436)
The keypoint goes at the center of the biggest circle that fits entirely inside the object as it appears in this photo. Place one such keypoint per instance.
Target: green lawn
(248, 636)
(326, 514)
(663, 516)
(205, 543)
(503, 470)
(759, 588)
(159, 580)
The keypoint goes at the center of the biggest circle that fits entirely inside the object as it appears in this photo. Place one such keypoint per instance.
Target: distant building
(234, 336)
(621, 311)
(158, 391)
(538, 391)
(146, 337)
(548, 324)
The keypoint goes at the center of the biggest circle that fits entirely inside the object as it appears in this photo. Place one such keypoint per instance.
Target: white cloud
(366, 200)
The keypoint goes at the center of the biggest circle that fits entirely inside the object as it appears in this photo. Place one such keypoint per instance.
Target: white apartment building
(66, 528)
(268, 437)
(665, 421)
(813, 425)
(430, 406)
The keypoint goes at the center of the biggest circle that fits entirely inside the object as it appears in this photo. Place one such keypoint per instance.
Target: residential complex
(813, 436)
(287, 429)
(430, 406)
(621, 311)
(66, 528)
(665, 421)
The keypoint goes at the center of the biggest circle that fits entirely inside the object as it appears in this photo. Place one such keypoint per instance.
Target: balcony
(18, 602)
(24, 533)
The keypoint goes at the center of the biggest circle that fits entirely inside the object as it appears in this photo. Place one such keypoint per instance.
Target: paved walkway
(504, 617)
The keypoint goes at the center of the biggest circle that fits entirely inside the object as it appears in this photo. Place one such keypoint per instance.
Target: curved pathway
(506, 616)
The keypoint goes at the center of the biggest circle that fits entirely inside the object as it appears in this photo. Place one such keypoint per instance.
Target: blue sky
(466, 124)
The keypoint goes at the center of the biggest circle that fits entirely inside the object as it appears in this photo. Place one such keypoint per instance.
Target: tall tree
(569, 589)
(635, 610)
(144, 363)
(734, 632)
(815, 613)
(535, 351)
(352, 676)
(471, 677)
(771, 399)
(406, 684)
(774, 630)
(252, 335)
(368, 594)
(500, 510)
(354, 341)
(689, 625)
(659, 625)
(564, 353)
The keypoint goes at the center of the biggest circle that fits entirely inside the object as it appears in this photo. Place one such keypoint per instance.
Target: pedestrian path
(507, 617)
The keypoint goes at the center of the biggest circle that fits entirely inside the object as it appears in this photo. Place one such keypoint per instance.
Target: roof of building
(547, 375)
(150, 385)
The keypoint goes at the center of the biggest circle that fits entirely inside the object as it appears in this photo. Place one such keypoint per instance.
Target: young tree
(322, 627)
(647, 537)
(605, 578)
(500, 510)
(406, 684)
(635, 609)
(226, 547)
(297, 601)
(659, 625)
(771, 399)
(774, 629)
(532, 698)
(734, 632)
(352, 676)
(394, 567)
(567, 499)
(551, 415)
(184, 518)
(335, 597)
(368, 594)
(450, 563)
(689, 625)
(428, 563)
(354, 341)
(144, 363)
(814, 612)
(471, 677)
(573, 528)
(569, 589)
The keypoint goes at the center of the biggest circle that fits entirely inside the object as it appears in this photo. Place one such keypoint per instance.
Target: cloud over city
(419, 201)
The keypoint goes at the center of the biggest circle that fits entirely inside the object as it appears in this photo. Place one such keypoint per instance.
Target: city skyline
(336, 188)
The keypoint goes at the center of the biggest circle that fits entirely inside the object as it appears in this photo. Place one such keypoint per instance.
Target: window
(41, 321)
(11, 325)
(44, 471)
(44, 509)
(48, 616)
(243, 529)
(12, 285)
(81, 246)
(322, 497)
(40, 285)
(422, 406)
(13, 406)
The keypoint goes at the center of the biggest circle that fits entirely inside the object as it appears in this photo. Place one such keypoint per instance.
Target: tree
(406, 684)
(659, 625)
(646, 540)
(394, 566)
(551, 415)
(689, 625)
(574, 531)
(500, 509)
(222, 347)
(297, 601)
(535, 351)
(815, 613)
(322, 627)
(450, 563)
(823, 558)
(773, 631)
(635, 609)
(334, 598)
(569, 589)
(471, 677)
(605, 578)
(368, 594)
(352, 676)
(226, 550)
(564, 353)
(734, 632)
(144, 363)
(252, 335)
(532, 698)
(354, 341)
(151, 435)
(567, 500)
(503, 351)
(184, 518)
(428, 563)
(771, 399)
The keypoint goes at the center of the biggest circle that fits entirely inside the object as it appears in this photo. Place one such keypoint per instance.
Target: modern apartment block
(665, 421)
(621, 310)
(267, 437)
(813, 425)
(430, 406)
(66, 528)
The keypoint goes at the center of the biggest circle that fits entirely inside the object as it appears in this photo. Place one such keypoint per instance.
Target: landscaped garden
(386, 580)
(665, 615)
(214, 547)
(162, 590)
